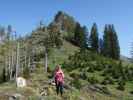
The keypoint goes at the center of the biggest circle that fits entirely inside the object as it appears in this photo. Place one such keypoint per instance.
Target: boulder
(16, 96)
(97, 88)
(21, 82)
(43, 91)
(51, 82)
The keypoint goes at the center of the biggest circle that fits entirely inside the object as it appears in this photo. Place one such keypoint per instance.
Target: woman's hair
(58, 67)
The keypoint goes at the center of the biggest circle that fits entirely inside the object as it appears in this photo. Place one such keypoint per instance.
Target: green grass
(58, 56)
(39, 77)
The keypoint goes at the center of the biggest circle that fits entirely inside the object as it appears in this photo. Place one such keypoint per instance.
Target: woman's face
(58, 67)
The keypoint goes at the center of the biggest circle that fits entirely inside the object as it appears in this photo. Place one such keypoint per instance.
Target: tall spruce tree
(2, 34)
(110, 42)
(100, 45)
(94, 41)
(79, 35)
(106, 42)
(9, 30)
(116, 52)
(65, 23)
(85, 37)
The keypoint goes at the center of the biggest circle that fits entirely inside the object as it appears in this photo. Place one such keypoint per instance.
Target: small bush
(76, 83)
(93, 80)
(74, 75)
(49, 70)
(103, 74)
(26, 72)
(121, 85)
(131, 92)
(39, 65)
(83, 75)
(105, 90)
(90, 69)
(108, 80)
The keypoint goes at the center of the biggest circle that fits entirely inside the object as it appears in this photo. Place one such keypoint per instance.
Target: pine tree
(85, 38)
(110, 43)
(65, 23)
(106, 42)
(100, 45)
(115, 45)
(2, 34)
(79, 35)
(9, 30)
(94, 38)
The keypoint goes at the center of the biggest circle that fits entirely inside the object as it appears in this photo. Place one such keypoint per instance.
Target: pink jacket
(59, 76)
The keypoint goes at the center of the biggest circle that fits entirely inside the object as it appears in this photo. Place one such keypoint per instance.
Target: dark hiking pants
(59, 88)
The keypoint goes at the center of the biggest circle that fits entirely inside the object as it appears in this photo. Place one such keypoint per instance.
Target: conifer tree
(115, 45)
(110, 43)
(106, 42)
(94, 41)
(79, 35)
(101, 45)
(9, 30)
(85, 37)
(64, 23)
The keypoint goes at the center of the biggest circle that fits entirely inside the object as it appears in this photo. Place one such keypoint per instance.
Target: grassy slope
(39, 80)
(58, 56)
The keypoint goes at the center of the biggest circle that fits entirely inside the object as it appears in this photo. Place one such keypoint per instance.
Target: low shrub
(83, 75)
(93, 80)
(75, 75)
(26, 72)
(131, 92)
(76, 83)
(108, 80)
(121, 85)
(90, 69)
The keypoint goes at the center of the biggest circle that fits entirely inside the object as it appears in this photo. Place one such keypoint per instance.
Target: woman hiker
(59, 79)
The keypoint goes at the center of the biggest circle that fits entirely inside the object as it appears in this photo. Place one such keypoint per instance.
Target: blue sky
(24, 15)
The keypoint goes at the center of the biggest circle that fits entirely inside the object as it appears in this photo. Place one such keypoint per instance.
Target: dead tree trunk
(9, 66)
(17, 63)
(25, 62)
(46, 60)
(29, 63)
(12, 65)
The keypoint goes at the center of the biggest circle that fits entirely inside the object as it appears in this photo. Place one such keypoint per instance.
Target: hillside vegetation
(92, 65)
(82, 82)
